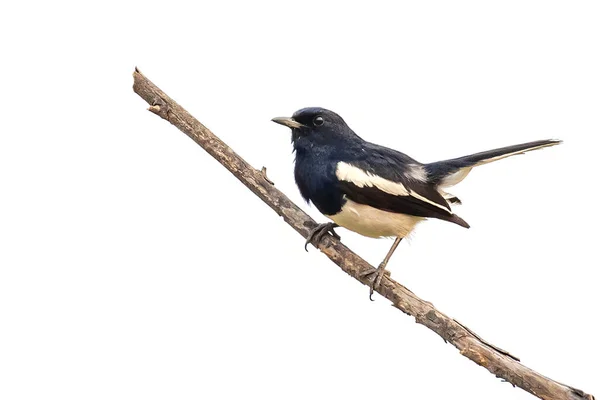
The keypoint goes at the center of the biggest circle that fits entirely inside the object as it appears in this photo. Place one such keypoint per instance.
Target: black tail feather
(441, 169)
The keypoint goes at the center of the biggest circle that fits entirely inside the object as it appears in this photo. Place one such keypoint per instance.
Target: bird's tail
(450, 172)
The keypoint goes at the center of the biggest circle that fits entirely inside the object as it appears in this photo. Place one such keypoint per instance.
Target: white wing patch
(361, 178)
(433, 203)
(350, 173)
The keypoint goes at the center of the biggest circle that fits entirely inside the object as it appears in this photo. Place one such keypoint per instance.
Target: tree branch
(497, 361)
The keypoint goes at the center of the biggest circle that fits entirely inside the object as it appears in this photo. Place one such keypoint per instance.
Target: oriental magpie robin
(373, 190)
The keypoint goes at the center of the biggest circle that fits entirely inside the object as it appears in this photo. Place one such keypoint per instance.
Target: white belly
(371, 222)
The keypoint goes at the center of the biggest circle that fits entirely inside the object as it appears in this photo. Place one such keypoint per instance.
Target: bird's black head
(315, 126)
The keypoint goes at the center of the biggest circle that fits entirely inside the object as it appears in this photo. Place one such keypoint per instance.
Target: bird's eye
(318, 121)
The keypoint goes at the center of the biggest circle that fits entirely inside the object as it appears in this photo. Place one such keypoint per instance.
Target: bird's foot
(317, 234)
(375, 278)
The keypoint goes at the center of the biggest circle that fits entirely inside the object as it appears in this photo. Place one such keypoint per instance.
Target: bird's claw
(375, 281)
(321, 230)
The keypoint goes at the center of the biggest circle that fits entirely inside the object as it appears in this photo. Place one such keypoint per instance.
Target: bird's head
(316, 126)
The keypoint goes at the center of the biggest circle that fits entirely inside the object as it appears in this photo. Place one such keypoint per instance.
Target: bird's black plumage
(334, 165)
(371, 189)
(320, 149)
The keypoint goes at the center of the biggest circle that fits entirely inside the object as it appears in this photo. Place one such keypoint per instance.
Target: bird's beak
(287, 121)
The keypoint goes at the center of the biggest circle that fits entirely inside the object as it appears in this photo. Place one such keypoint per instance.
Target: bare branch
(497, 361)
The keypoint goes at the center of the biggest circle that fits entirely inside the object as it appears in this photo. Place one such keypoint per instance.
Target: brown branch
(494, 359)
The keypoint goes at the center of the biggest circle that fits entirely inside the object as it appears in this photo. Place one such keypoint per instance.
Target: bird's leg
(317, 234)
(380, 271)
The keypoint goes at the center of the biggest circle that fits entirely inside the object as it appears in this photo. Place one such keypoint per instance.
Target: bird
(374, 190)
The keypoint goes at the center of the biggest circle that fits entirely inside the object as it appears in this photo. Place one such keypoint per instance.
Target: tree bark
(499, 362)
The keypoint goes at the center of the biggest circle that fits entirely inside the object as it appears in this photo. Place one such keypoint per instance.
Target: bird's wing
(391, 185)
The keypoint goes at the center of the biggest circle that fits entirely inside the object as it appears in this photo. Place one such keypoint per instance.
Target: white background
(133, 266)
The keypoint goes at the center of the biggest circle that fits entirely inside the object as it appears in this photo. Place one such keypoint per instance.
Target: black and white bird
(374, 190)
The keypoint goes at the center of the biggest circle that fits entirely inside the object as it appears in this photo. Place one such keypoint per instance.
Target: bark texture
(499, 362)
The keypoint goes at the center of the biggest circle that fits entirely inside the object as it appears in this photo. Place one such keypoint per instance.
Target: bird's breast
(317, 183)
(372, 222)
